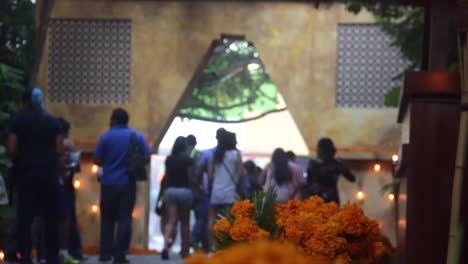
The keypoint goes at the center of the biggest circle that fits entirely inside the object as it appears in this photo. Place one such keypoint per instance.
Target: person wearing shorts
(178, 196)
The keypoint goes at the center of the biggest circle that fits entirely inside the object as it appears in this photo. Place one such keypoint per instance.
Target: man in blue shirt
(118, 190)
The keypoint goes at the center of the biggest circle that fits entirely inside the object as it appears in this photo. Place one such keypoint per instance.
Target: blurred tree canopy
(17, 39)
(233, 85)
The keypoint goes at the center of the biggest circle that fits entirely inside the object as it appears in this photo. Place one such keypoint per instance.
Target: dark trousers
(34, 193)
(12, 240)
(74, 240)
(117, 202)
(199, 229)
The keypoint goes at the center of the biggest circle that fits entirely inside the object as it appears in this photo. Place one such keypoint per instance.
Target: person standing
(283, 177)
(200, 201)
(178, 196)
(118, 189)
(324, 171)
(72, 166)
(35, 143)
(226, 171)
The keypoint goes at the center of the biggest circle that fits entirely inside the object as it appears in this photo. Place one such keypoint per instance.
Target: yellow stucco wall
(296, 41)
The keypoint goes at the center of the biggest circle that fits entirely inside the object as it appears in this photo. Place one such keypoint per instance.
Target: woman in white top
(225, 172)
(284, 177)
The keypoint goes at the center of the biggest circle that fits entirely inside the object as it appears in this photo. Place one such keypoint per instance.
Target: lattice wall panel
(89, 61)
(366, 66)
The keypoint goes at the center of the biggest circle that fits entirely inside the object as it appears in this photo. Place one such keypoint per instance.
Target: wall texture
(296, 41)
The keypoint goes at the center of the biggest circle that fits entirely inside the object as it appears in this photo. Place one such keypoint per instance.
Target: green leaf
(2, 150)
(5, 163)
(392, 98)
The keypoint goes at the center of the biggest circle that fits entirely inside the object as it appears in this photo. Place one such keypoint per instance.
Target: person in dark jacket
(324, 171)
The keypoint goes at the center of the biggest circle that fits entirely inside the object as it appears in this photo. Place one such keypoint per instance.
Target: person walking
(118, 188)
(35, 143)
(324, 171)
(284, 177)
(178, 196)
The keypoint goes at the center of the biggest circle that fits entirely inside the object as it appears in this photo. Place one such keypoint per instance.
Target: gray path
(135, 260)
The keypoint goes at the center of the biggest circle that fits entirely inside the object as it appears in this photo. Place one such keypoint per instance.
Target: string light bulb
(395, 158)
(377, 167)
(94, 168)
(360, 196)
(2, 256)
(94, 209)
(77, 184)
(391, 196)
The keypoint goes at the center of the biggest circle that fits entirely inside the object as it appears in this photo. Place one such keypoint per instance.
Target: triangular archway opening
(231, 88)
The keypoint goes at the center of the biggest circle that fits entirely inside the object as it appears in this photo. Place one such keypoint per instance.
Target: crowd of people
(45, 161)
(208, 182)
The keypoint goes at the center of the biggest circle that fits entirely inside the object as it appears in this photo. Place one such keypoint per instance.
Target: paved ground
(136, 260)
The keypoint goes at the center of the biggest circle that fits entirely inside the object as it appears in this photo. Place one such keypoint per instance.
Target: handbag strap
(229, 173)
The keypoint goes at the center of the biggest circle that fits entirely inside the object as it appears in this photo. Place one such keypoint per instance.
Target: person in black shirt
(178, 195)
(323, 172)
(35, 143)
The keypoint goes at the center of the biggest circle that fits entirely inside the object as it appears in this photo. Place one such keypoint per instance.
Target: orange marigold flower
(242, 209)
(222, 225)
(198, 258)
(342, 259)
(293, 233)
(242, 229)
(260, 235)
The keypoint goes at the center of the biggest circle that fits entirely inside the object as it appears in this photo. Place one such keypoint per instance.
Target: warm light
(2, 256)
(95, 169)
(253, 66)
(391, 196)
(395, 158)
(77, 184)
(135, 213)
(403, 197)
(360, 196)
(95, 209)
(377, 167)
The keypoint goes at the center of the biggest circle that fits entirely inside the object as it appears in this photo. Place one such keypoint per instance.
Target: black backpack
(136, 159)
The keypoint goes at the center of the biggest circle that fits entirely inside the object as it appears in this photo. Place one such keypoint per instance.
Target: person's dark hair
(250, 167)
(191, 140)
(219, 133)
(119, 117)
(226, 141)
(281, 171)
(180, 146)
(326, 149)
(65, 125)
(291, 155)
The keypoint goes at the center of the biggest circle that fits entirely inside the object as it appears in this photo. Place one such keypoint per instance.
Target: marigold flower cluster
(243, 227)
(324, 229)
(318, 229)
(258, 252)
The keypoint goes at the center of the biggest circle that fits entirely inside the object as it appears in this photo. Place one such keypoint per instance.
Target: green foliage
(232, 83)
(264, 210)
(17, 39)
(392, 98)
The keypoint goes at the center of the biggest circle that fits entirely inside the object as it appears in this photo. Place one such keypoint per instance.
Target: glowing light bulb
(361, 196)
(377, 167)
(2, 256)
(391, 196)
(95, 209)
(94, 168)
(253, 66)
(395, 158)
(77, 184)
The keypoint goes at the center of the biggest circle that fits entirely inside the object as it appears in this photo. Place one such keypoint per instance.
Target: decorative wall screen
(89, 61)
(366, 66)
